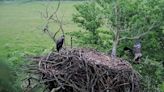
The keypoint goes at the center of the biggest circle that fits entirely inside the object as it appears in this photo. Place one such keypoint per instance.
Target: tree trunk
(115, 43)
(114, 50)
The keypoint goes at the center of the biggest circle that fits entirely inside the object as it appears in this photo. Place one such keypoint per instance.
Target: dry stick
(57, 80)
(30, 78)
(60, 22)
(54, 11)
(73, 85)
(86, 69)
(50, 52)
(116, 87)
(46, 12)
(55, 89)
(48, 21)
(94, 81)
(121, 85)
(132, 81)
(71, 42)
(29, 82)
(40, 61)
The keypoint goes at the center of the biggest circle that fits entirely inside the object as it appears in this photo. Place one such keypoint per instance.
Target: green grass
(19, 22)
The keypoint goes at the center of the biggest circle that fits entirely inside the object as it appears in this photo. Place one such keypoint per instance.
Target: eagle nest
(81, 70)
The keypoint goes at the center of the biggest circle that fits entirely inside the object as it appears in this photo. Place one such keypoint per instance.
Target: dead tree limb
(52, 17)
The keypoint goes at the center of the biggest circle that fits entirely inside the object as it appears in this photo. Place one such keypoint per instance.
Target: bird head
(137, 41)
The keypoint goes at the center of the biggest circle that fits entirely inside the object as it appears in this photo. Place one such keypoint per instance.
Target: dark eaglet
(59, 43)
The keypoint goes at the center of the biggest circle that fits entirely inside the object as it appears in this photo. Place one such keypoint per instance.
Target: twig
(140, 35)
(50, 18)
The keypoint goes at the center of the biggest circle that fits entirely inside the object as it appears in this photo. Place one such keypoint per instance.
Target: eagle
(59, 43)
(136, 51)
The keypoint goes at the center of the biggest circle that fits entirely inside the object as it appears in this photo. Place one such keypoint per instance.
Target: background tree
(131, 19)
(89, 17)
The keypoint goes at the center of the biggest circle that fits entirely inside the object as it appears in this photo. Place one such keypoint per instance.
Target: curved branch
(135, 37)
(56, 20)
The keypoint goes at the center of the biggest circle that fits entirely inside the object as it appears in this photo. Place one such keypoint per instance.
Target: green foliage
(89, 17)
(133, 17)
(84, 38)
(162, 87)
(8, 78)
(105, 38)
(152, 75)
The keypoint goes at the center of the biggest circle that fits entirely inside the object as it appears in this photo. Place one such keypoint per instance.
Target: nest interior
(83, 70)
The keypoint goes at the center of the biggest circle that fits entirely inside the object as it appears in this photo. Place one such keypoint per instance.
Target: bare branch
(50, 18)
(55, 12)
(140, 35)
(135, 37)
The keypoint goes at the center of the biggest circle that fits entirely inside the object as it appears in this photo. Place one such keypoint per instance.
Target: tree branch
(135, 37)
(140, 35)
(50, 18)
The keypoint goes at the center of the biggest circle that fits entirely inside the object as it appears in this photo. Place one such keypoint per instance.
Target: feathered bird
(136, 51)
(59, 43)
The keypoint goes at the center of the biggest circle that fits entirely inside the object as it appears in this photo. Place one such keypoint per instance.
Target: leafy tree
(89, 17)
(152, 75)
(131, 19)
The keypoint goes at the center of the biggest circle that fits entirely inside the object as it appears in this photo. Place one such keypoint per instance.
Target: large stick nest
(83, 70)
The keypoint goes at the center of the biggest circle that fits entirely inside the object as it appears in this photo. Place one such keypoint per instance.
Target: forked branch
(52, 17)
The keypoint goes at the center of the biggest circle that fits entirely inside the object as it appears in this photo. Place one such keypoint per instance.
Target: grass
(19, 33)
(19, 22)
